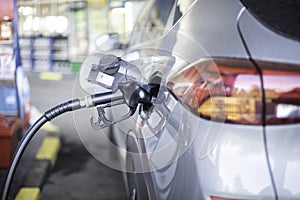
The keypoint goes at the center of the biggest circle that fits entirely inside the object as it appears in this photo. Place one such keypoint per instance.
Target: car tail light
(221, 90)
(282, 92)
(229, 90)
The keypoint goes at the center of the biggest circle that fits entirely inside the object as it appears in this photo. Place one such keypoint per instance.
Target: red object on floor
(8, 9)
(9, 128)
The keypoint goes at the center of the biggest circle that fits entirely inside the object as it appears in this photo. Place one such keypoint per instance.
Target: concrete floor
(77, 174)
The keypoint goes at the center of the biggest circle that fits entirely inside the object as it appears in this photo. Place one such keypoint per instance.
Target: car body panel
(183, 156)
(216, 159)
(202, 33)
(276, 47)
(282, 140)
(283, 147)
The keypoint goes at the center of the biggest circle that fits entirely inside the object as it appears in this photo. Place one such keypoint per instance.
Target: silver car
(225, 122)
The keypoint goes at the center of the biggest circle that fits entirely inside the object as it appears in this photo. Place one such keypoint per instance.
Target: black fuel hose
(76, 104)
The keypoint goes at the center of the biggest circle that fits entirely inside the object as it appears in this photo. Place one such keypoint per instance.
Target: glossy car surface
(225, 123)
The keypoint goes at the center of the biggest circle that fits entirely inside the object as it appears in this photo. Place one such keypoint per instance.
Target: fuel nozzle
(111, 70)
(122, 79)
(134, 94)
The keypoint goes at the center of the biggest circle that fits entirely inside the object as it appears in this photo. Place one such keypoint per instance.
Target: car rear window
(282, 16)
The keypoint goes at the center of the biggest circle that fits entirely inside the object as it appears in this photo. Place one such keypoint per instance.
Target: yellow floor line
(50, 127)
(52, 76)
(27, 193)
(49, 149)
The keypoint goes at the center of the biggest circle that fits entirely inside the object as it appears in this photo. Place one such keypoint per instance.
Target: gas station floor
(76, 174)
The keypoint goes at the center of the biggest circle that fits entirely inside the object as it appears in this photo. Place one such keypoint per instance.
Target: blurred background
(64, 31)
